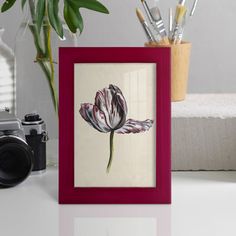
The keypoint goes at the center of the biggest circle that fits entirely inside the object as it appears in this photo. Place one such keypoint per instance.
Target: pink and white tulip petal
(112, 103)
(94, 117)
(135, 126)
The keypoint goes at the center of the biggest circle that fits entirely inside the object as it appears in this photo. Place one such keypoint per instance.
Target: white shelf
(203, 204)
(203, 132)
(205, 106)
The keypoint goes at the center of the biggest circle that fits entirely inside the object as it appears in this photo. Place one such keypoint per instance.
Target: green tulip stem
(111, 151)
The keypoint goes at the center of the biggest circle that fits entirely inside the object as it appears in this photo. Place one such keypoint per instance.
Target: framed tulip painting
(114, 125)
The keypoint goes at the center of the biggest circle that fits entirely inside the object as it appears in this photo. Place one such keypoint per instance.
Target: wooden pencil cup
(180, 58)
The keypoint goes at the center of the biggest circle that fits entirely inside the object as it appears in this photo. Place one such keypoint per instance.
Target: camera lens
(15, 162)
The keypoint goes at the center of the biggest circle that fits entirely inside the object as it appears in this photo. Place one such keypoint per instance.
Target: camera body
(36, 137)
(10, 126)
(22, 147)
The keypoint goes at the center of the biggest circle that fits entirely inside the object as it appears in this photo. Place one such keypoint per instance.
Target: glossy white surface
(204, 203)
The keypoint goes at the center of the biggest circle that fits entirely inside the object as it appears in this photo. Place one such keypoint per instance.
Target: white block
(204, 132)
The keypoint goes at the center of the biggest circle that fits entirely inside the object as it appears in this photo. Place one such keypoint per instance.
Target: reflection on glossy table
(204, 203)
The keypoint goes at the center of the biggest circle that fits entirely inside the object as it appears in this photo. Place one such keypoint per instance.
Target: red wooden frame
(161, 194)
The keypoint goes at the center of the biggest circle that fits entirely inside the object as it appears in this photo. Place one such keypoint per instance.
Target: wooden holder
(180, 58)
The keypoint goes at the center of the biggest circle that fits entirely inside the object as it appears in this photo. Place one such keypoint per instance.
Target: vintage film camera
(22, 147)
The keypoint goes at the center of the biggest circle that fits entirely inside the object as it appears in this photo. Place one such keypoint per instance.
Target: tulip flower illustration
(108, 115)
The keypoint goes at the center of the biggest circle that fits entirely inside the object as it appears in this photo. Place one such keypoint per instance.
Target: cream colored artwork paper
(134, 161)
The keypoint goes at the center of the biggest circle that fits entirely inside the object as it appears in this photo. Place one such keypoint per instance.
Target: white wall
(212, 32)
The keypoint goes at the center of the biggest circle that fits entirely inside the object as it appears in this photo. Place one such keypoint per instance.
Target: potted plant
(45, 16)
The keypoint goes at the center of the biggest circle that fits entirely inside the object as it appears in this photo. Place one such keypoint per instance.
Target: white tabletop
(204, 203)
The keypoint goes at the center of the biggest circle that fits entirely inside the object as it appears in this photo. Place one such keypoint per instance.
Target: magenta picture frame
(68, 194)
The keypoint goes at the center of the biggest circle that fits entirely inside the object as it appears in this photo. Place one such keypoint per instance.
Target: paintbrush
(193, 8)
(180, 37)
(181, 30)
(170, 21)
(157, 26)
(179, 16)
(146, 28)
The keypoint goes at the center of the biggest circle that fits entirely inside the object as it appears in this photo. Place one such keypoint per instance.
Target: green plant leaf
(40, 13)
(72, 14)
(23, 4)
(7, 5)
(73, 18)
(80, 23)
(91, 5)
(53, 15)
